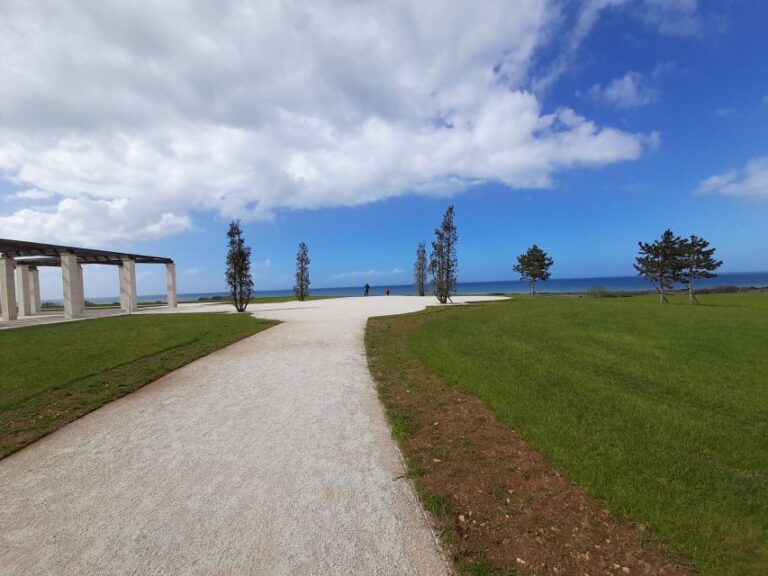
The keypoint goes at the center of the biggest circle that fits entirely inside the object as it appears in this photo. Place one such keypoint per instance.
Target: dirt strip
(499, 506)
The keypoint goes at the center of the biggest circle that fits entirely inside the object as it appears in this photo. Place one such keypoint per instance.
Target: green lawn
(662, 411)
(56, 373)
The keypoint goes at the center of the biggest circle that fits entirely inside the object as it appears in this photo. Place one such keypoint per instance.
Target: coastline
(598, 286)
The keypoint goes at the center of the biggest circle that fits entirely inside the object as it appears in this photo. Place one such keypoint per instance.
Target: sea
(554, 286)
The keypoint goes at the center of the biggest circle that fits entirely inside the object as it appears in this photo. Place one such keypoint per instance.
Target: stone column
(120, 289)
(22, 289)
(7, 288)
(128, 286)
(34, 287)
(72, 279)
(82, 288)
(170, 284)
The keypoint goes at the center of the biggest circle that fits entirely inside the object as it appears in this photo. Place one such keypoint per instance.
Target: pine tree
(534, 266)
(661, 262)
(301, 289)
(443, 262)
(420, 270)
(697, 262)
(238, 273)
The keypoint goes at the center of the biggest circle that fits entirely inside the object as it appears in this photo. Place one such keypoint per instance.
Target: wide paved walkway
(269, 457)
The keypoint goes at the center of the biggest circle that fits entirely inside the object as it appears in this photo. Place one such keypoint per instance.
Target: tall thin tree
(420, 270)
(301, 289)
(660, 262)
(238, 273)
(443, 263)
(534, 266)
(697, 261)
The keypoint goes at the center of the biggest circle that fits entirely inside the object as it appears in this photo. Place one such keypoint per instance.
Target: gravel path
(271, 456)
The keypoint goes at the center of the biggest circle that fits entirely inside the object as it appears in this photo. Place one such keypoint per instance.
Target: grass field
(662, 411)
(56, 373)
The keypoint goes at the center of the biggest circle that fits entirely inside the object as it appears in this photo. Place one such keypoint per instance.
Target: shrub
(597, 292)
(725, 289)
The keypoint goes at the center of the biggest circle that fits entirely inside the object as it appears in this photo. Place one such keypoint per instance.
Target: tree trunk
(691, 294)
(533, 287)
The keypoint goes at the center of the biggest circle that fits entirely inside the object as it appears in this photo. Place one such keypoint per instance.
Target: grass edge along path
(496, 504)
(52, 307)
(57, 403)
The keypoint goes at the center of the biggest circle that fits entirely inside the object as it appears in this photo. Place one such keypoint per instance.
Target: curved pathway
(271, 456)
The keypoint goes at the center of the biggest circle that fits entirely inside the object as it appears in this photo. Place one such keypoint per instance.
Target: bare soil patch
(496, 503)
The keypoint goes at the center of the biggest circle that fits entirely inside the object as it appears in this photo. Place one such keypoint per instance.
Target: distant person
(366, 289)
(386, 291)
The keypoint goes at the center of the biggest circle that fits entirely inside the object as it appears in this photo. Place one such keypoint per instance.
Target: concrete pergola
(27, 257)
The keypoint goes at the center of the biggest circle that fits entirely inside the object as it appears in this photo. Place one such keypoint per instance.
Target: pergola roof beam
(22, 249)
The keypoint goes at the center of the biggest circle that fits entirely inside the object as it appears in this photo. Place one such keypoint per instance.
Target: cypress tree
(301, 289)
(238, 273)
(534, 266)
(443, 262)
(420, 270)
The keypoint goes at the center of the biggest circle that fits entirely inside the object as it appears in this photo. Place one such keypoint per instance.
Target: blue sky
(582, 126)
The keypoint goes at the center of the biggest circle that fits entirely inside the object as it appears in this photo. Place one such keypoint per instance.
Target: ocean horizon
(553, 286)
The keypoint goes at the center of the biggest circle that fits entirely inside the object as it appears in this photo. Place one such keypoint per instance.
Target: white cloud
(369, 273)
(666, 17)
(31, 194)
(135, 118)
(93, 222)
(574, 34)
(677, 17)
(749, 182)
(628, 91)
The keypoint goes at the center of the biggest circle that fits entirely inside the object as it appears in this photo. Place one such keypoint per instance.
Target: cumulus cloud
(628, 91)
(748, 182)
(132, 119)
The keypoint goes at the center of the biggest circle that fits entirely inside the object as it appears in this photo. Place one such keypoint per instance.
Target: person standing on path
(387, 291)
(366, 289)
